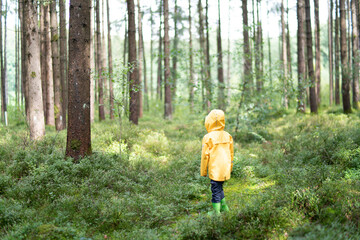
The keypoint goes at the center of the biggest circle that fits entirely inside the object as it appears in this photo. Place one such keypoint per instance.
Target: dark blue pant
(217, 191)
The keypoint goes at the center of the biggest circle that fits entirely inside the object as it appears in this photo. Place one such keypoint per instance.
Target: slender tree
(330, 40)
(337, 54)
(104, 59)
(313, 103)
(317, 52)
(92, 65)
(56, 67)
(301, 56)
(168, 107)
(288, 44)
(345, 73)
(258, 57)
(63, 59)
(111, 88)
(202, 53)
(159, 72)
(134, 84)
(151, 54)
(140, 58)
(99, 63)
(33, 71)
(4, 87)
(191, 68)
(79, 132)
(356, 55)
(220, 69)
(247, 53)
(208, 84)
(174, 56)
(284, 55)
(42, 56)
(228, 75)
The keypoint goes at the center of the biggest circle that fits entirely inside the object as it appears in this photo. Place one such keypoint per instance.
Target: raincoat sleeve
(204, 158)
(232, 151)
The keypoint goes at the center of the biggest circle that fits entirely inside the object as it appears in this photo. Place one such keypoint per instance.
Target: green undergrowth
(294, 177)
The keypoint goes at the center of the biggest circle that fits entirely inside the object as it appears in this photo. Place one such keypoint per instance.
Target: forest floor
(294, 177)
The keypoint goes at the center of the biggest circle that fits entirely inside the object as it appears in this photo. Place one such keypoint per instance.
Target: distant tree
(191, 67)
(345, 73)
(160, 57)
(356, 55)
(111, 88)
(168, 106)
(151, 54)
(92, 65)
(79, 132)
(301, 56)
(208, 84)
(247, 53)
(174, 55)
(140, 58)
(99, 63)
(330, 40)
(202, 54)
(3, 70)
(63, 59)
(337, 54)
(313, 103)
(220, 68)
(317, 52)
(284, 55)
(33, 71)
(134, 84)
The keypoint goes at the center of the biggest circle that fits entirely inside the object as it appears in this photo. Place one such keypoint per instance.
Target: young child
(217, 158)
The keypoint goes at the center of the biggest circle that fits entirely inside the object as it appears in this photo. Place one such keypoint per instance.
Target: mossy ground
(295, 176)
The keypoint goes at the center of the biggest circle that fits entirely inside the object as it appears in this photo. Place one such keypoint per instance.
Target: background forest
(102, 116)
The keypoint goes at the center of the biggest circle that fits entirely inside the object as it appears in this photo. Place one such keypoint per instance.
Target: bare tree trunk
(168, 107)
(269, 50)
(247, 53)
(228, 75)
(317, 52)
(313, 103)
(345, 73)
(79, 132)
(288, 44)
(257, 51)
(202, 53)
(330, 40)
(134, 83)
(208, 84)
(4, 70)
(3, 102)
(301, 56)
(104, 61)
(191, 69)
(146, 94)
(174, 57)
(337, 54)
(92, 64)
(356, 55)
(221, 87)
(99, 60)
(33, 71)
(159, 73)
(56, 67)
(151, 54)
(126, 63)
(48, 61)
(63, 59)
(111, 89)
(17, 83)
(284, 56)
(42, 56)
(140, 59)
(24, 90)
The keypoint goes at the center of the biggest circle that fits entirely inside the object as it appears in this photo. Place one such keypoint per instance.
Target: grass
(294, 177)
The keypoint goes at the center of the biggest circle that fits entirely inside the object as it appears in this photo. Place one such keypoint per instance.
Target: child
(217, 157)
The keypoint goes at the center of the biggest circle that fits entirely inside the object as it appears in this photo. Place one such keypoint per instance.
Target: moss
(75, 144)
(33, 75)
(55, 38)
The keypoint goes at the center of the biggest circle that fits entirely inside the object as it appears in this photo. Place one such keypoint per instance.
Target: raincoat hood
(215, 121)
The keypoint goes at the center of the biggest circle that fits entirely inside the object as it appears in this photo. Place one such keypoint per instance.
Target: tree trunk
(99, 63)
(56, 68)
(24, 87)
(168, 107)
(330, 40)
(48, 61)
(345, 73)
(313, 103)
(42, 57)
(4, 86)
(356, 55)
(228, 75)
(104, 74)
(146, 94)
(258, 68)
(317, 52)
(111, 89)
(208, 84)
(173, 83)
(220, 69)
(301, 56)
(269, 49)
(134, 83)
(17, 62)
(284, 55)
(63, 59)
(202, 54)
(92, 64)
(33, 71)
(159, 73)
(140, 59)
(288, 43)
(151, 55)
(125, 87)
(247, 53)
(337, 54)
(79, 132)
(191, 69)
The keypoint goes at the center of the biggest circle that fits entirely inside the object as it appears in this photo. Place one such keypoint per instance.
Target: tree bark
(220, 69)
(345, 73)
(228, 75)
(42, 56)
(159, 72)
(48, 62)
(63, 59)
(111, 88)
(330, 40)
(99, 63)
(247, 53)
(134, 84)
(92, 65)
(140, 59)
(313, 103)
(104, 74)
(79, 132)
(33, 71)
(56, 68)
(301, 56)
(317, 52)
(208, 84)
(356, 55)
(258, 57)
(168, 106)
(24, 86)
(337, 54)
(151, 55)
(202, 54)
(191, 69)
(174, 57)
(284, 56)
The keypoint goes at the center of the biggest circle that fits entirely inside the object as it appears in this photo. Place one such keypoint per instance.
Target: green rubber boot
(216, 210)
(224, 207)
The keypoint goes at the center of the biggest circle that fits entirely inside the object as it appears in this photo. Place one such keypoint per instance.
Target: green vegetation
(295, 176)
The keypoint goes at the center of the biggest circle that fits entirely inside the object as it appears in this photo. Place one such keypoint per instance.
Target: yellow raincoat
(217, 148)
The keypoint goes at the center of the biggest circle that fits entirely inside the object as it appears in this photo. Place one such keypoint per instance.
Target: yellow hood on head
(215, 120)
